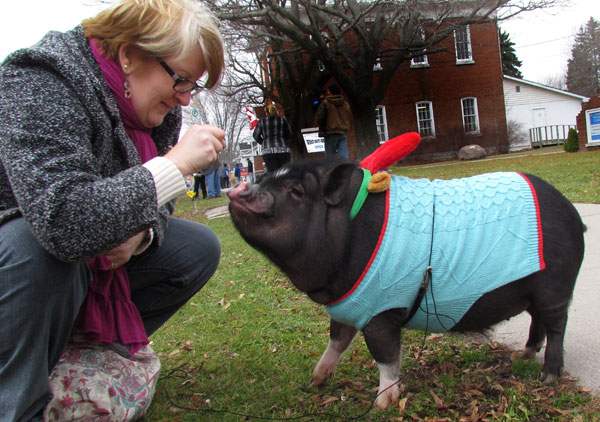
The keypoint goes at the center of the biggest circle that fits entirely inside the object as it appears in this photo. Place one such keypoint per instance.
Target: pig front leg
(340, 337)
(383, 335)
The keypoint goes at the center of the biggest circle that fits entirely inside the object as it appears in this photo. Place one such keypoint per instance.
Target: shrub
(572, 143)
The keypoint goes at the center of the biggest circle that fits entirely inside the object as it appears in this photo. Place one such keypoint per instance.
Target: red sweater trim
(381, 235)
(539, 222)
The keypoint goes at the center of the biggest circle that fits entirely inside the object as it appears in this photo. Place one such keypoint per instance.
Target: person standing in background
(224, 177)
(251, 170)
(237, 172)
(335, 112)
(273, 133)
(213, 183)
(199, 184)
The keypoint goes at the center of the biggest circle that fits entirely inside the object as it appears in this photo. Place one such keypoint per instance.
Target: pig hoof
(548, 378)
(528, 353)
(325, 366)
(320, 374)
(389, 396)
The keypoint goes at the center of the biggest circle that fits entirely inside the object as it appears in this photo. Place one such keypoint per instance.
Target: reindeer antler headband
(387, 154)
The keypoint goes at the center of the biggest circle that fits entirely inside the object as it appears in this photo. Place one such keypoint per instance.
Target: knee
(201, 255)
(209, 249)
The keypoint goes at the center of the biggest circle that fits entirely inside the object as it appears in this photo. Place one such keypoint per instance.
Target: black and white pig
(299, 218)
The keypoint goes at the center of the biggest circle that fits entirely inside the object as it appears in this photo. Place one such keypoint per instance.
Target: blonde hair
(271, 110)
(161, 28)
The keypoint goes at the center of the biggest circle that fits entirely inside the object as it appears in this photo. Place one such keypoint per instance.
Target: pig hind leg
(552, 288)
(537, 337)
(340, 337)
(548, 320)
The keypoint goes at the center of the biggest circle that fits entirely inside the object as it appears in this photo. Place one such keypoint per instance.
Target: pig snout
(246, 199)
(241, 189)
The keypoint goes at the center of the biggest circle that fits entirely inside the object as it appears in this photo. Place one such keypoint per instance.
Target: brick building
(588, 125)
(452, 98)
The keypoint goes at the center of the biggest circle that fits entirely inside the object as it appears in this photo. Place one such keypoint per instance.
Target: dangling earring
(127, 92)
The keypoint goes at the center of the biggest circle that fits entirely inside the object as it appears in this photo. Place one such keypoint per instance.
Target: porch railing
(549, 135)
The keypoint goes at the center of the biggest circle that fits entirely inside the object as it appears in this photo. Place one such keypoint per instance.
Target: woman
(90, 167)
(273, 132)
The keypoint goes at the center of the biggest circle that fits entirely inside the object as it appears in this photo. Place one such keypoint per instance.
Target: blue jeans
(213, 184)
(336, 142)
(40, 297)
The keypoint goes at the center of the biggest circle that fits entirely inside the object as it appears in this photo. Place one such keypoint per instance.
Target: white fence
(549, 135)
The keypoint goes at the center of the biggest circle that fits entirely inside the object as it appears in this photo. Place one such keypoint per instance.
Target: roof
(546, 87)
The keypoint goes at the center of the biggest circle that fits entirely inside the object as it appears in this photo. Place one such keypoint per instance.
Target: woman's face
(151, 87)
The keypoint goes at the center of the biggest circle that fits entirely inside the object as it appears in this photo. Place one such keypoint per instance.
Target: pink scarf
(108, 315)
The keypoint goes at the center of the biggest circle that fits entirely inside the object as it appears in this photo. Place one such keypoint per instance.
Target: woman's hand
(122, 253)
(197, 149)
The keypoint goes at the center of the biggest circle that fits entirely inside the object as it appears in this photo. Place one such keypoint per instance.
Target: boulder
(471, 152)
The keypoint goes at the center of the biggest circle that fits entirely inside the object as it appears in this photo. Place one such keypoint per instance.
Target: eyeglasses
(182, 84)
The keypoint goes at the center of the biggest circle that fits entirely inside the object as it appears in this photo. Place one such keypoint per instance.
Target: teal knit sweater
(486, 233)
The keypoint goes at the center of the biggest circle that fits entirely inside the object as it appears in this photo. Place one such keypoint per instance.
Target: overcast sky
(543, 39)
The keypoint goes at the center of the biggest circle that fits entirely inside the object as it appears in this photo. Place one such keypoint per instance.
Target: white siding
(559, 108)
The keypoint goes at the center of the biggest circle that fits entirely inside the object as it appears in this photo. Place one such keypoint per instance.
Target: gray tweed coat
(67, 165)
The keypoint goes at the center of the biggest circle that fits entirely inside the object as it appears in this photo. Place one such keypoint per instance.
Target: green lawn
(576, 175)
(247, 343)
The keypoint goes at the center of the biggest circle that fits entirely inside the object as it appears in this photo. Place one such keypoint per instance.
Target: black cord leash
(420, 295)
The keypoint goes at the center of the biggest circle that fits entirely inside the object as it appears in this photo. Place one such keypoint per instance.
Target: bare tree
(224, 109)
(359, 44)
(557, 81)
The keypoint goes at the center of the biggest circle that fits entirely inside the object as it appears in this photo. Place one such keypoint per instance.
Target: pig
(298, 217)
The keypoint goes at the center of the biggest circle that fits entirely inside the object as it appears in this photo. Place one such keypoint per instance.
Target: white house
(536, 113)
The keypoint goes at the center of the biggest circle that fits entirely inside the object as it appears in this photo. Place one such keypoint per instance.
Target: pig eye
(296, 192)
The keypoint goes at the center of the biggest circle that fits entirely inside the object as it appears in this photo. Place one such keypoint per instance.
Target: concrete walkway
(582, 340)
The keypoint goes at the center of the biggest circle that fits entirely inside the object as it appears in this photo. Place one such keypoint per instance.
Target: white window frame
(381, 123)
(467, 42)
(426, 132)
(475, 115)
(422, 63)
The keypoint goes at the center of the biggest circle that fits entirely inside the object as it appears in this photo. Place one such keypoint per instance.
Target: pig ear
(336, 181)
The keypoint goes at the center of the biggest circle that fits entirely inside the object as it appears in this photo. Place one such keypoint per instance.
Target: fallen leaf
(473, 392)
(402, 405)
(438, 402)
(434, 336)
(329, 400)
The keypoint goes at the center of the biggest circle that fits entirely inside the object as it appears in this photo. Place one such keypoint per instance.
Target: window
(381, 123)
(425, 119)
(470, 115)
(420, 61)
(517, 88)
(377, 66)
(462, 45)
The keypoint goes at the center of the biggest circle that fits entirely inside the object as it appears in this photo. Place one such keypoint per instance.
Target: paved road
(582, 340)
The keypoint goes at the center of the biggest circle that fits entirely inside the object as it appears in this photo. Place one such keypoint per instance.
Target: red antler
(391, 152)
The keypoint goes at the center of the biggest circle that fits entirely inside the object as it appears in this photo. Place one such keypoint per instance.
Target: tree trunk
(365, 128)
